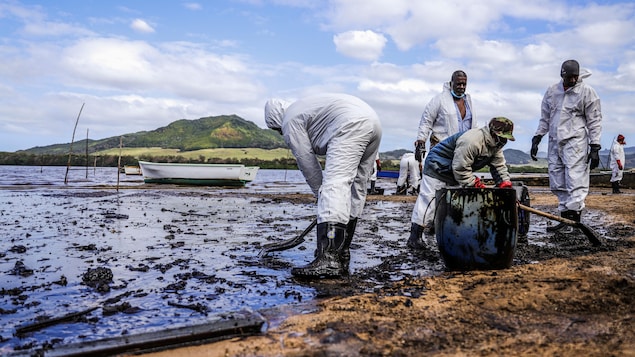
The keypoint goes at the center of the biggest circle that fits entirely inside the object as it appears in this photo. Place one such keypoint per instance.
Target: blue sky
(140, 65)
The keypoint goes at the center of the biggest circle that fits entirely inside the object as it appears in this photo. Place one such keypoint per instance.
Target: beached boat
(198, 174)
(131, 170)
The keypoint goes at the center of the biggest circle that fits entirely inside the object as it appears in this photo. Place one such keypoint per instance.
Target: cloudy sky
(139, 65)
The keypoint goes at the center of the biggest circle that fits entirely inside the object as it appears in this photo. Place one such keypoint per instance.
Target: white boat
(197, 174)
(131, 170)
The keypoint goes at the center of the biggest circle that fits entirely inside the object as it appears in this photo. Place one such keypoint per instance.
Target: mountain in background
(225, 131)
(232, 131)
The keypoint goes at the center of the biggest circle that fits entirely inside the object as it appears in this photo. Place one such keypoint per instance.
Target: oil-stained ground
(151, 258)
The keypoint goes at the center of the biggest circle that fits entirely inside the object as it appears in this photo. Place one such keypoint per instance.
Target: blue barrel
(476, 228)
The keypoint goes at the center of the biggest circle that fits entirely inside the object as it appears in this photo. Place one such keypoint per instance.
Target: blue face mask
(456, 95)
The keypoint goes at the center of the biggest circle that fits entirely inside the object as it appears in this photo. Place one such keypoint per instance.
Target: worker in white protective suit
(373, 176)
(446, 114)
(409, 174)
(347, 131)
(572, 116)
(453, 162)
(617, 160)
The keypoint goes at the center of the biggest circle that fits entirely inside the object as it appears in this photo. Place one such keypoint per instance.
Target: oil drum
(476, 228)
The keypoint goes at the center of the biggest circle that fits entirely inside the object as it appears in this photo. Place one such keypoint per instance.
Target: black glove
(594, 156)
(420, 151)
(534, 146)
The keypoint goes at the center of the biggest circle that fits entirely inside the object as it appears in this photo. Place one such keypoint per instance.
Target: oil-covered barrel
(476, 228)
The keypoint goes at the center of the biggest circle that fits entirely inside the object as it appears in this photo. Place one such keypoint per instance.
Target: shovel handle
(593, 237)
(287, 244)
(566, 221)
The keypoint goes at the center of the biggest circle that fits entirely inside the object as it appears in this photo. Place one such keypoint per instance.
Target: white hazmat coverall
(440, 118)
(617, 153)
(373, 175)
(409, 170)
(573, 120)
(344, 129)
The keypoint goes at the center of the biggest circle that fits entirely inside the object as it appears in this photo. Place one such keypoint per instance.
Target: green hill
(226, 131)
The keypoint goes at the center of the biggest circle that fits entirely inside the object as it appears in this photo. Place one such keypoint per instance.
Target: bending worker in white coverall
(348, 132)
(453, 162)
(617, 159)
(409, 174)
(572, 116)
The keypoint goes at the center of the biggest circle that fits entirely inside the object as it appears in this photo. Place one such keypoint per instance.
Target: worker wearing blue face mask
(448, 113)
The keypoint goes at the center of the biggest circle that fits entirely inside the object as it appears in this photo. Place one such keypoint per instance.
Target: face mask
(569, 81)
(500, 142)
(456, 95)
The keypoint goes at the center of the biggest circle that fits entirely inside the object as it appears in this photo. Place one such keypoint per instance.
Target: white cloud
(193, 6)
(141, 26)
(510, 49)
(364, 45)
(182, 69)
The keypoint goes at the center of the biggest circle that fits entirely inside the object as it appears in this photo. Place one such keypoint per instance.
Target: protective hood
(585, 73)
(274, 112)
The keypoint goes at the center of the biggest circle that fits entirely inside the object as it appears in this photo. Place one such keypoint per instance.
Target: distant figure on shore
(572, 116)
(373, 176)
(618, 159)
(347, 131)
(409, 175)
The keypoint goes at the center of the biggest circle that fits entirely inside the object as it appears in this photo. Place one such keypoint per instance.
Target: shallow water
(174, 245)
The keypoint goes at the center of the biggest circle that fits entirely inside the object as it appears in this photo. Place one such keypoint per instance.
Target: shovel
(584, 228)
(287, 244)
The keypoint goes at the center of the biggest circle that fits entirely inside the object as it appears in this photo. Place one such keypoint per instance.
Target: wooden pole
(86, 154)
(70, 150)
(119, 161)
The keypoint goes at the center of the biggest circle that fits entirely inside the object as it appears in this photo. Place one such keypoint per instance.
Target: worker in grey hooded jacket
(453, 162)
(347, 131)
(572, 116)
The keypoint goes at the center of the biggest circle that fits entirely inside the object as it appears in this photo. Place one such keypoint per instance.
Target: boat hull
(197, 174)
(132, 170)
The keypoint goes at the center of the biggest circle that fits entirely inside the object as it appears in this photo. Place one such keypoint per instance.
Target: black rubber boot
(616, 187)
(415, 241)
(345, 255)
(402, 190)
(328, 263)
(564, 214)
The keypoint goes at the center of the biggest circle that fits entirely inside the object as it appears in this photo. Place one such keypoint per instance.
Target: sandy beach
(179, 256)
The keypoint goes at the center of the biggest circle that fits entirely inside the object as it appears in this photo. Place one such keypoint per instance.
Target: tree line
(28, 159)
